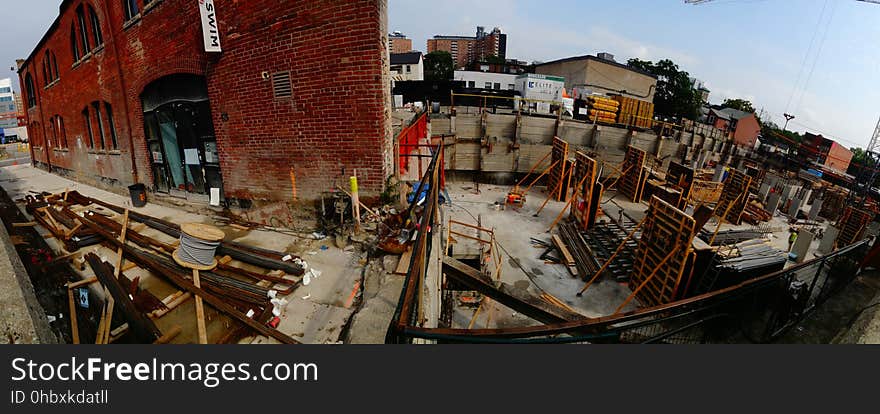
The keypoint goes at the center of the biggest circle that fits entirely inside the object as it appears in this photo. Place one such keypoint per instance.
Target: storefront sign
(210, 32)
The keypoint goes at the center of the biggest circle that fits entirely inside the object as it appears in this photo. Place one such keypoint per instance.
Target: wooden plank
(200, 310)
(142, 327)
(172, 275)
(74, 324)
(563, 250)
(25, 224)
(473, 279)
(403, 263)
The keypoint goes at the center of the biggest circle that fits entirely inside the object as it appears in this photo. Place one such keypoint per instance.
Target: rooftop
(598, 59)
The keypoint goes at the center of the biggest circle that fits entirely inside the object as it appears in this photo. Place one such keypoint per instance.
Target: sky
(815, 59)
(25, 23)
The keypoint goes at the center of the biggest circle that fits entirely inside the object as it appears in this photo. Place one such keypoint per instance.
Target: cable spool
(198, 246)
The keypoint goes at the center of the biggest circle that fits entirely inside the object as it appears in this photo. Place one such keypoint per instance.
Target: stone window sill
(150, 6)
(38, 148)
(114, 152)
(60, 149)
(132, 21)
(84, 58)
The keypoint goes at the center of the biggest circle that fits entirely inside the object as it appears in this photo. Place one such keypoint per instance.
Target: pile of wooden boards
(833, 202)
(238, 287)
(754, 213)
(634, 112)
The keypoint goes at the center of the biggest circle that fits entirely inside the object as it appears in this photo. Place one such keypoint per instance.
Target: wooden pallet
(667, 232)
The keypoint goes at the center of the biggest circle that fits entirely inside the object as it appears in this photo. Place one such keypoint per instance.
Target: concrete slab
(802, 245)
(815, 209)
(828, 238)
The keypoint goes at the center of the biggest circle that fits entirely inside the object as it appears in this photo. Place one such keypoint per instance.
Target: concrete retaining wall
(494, 143)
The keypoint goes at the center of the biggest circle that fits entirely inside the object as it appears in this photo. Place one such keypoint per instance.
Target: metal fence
(758, 310)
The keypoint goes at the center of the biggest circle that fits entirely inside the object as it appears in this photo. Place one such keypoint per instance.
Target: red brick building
(466, 49)
(123, 91)
(743, 127)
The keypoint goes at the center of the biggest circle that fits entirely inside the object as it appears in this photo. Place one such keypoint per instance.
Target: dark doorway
(180, 136)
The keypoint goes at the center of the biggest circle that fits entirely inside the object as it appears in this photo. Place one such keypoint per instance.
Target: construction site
(229, 202)
(511, 228)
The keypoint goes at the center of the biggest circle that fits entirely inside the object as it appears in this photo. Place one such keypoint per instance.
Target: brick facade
(337, 120)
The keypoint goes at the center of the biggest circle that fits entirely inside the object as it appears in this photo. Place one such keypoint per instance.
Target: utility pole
(787, 118)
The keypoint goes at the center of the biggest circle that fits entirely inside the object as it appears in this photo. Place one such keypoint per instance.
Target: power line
(818, 54)
(794, 88)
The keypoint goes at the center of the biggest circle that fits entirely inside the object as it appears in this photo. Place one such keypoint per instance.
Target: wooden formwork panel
(852, 226)
(631, 182)
(667, 231)
(682, 178)
(734, 197)
(583, 179)
(557, 175)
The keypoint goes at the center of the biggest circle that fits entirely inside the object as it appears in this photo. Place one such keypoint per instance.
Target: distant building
(8, 108)
(743, 127)
(399, 43)
(486, 80)
(825, 152)
(466, 49)
(602, 75)
(701, 89)
(407, 66)
(512, 66)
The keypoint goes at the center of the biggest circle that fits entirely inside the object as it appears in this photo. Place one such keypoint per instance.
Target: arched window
(31, 92)
(83, 30)
(54, 64)
(53, 130)
(99, 121)
(96, 27)
(73, 44)
(50, 68)
(130, 9)
(61, 139)
(47, 78)
(87, 123)
(114, 142)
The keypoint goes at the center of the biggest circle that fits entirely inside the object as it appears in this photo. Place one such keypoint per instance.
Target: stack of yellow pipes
(603, 109)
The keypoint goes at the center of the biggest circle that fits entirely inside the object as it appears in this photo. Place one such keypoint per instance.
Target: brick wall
(338, 119)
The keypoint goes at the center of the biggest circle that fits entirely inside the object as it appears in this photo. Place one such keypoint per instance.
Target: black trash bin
(138, 194)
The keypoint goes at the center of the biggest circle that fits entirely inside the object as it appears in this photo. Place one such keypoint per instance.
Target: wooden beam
(74, 327)
(172, 275)
(473, 279)
(142, 327)
(200, 310)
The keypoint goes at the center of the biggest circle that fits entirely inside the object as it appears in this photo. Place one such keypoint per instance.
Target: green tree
(675, 95)
(740, 104)
(439, 66)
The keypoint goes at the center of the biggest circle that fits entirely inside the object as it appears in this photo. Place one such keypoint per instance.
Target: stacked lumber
(634, 112)
(245, 295)
(602, 109)
(833, 202)
(754, 213)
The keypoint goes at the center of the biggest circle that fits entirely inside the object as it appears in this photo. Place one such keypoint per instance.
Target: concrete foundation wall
(493, 143)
